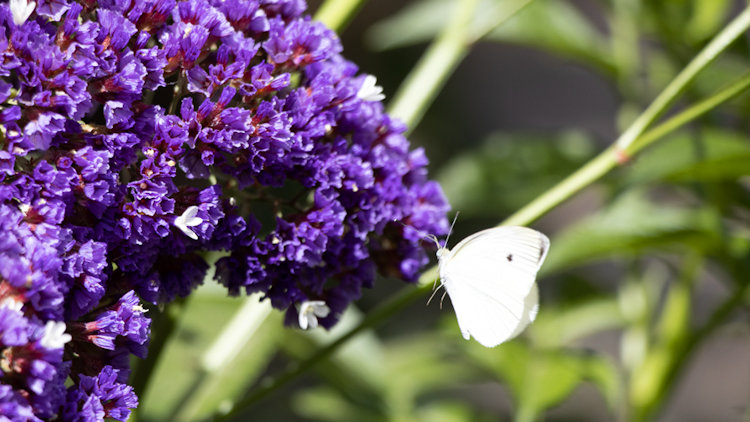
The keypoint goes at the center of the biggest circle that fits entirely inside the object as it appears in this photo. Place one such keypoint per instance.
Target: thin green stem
(731, 32)
(336, 14)
(730, 91)
(581, 178)
(611, 157)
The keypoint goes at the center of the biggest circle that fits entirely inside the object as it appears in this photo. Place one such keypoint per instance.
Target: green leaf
(630, 224)
(557, 26)
(557, 326)
(541, 378)
(450, 411)
(418, 22)
(356, 372)
(411, 371)
(710, 155)
(707, 18)
(326, 404)
(553, 25)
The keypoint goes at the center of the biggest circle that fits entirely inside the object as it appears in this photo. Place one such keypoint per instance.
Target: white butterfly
(490, 278)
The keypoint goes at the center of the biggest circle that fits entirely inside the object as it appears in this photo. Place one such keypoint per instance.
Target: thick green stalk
(336, 14)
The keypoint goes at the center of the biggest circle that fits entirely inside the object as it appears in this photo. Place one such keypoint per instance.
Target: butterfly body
(490, 279)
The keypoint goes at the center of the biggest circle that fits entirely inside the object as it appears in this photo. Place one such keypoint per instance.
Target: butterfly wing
(489, 277)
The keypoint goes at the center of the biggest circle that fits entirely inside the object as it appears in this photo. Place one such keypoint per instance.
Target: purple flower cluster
(136, 135)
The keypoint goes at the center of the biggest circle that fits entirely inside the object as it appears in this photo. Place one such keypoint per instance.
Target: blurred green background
(644, 304)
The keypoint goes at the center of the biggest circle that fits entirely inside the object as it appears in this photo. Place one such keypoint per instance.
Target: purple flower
(100, 397)
(14, 407)
(140, 135)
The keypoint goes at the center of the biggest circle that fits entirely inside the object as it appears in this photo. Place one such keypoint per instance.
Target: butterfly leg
(441, 299)
(435, 290)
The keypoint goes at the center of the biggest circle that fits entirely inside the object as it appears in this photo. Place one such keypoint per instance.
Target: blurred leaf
(508, 171)
(418, 22)
(685, 22)
(410, 370)
(450, 411)
(553, 25)
(558, 326)
(630, 224)
(706, 19)
(559, 27)
(326, 404)
(713, 154)
(542, 378)
(607, 378)
(422, 365)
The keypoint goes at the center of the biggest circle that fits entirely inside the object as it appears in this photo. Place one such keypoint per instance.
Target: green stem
(336, 14)
(730, 91)
(720, 42)
(372, 319)
(612, 156)
(423, 83)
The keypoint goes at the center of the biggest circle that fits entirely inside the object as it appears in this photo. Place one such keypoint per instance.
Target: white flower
(55, 336)
(310, 310)
(188, 219)
(21, 10)
(369, 91)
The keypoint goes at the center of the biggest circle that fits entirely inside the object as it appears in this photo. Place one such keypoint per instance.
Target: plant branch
(612, 156)
(720, 42)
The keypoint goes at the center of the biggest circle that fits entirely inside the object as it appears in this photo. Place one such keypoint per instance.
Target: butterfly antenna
(451, 229)
(441, 299)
